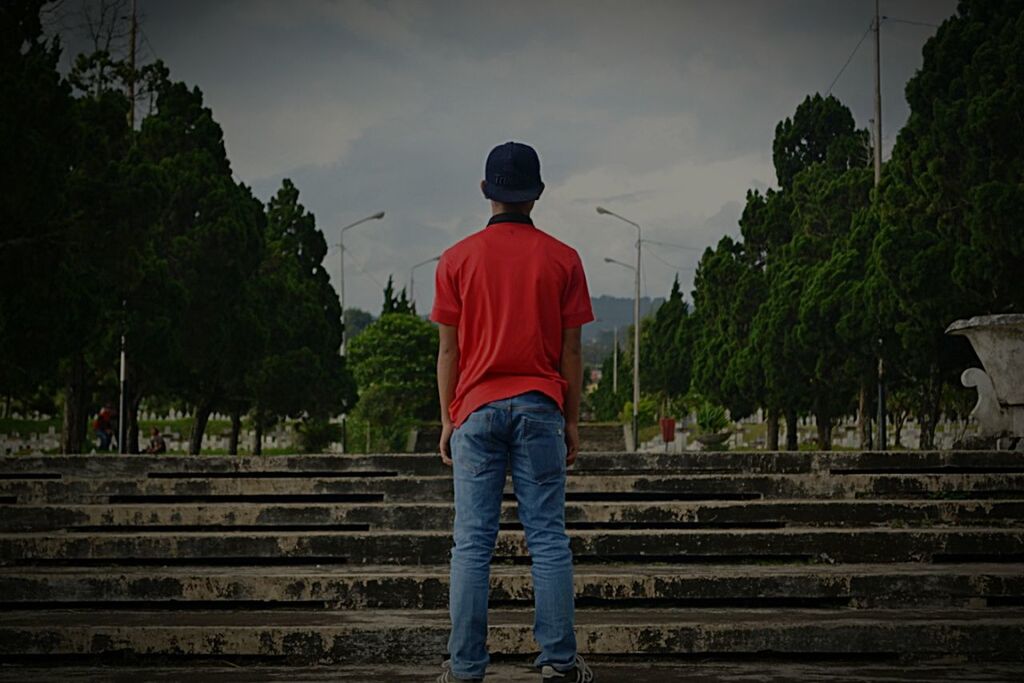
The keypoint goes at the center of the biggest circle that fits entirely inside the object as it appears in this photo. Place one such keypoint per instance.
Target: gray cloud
(664, 111)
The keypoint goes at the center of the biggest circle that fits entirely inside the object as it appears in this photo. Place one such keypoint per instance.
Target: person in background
(157, 445)
(103, 426)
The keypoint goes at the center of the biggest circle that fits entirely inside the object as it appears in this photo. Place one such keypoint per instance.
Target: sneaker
(579, 673)
(448, 677)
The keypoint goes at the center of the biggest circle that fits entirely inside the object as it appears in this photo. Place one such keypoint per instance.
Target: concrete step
(399, 635)
(440, 516)
(579, 487)
(653, 670)
(791, 544)
(622, 585)
(752, 462)
(411, 464)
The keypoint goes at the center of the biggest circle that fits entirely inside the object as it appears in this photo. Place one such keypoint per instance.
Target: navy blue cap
(512, 174)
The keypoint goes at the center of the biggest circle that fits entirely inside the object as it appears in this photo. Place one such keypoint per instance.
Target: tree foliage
(393, 362)
(110, 230)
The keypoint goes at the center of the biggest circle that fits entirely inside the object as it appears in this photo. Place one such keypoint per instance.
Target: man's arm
(572, 371)
(447, 378)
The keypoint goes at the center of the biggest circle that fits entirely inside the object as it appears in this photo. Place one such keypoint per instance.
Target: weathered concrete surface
(438, 488)
(754, 462)
(432, 547)
(440, 515)
(321, 558)
(607, 671)
(372, 636)
(396, 587)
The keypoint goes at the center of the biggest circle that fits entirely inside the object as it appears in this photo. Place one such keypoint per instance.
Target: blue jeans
(528, 433)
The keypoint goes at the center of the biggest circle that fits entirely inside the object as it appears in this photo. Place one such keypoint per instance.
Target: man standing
(510, 301)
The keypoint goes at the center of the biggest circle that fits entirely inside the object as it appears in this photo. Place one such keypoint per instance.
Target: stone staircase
(865, 559)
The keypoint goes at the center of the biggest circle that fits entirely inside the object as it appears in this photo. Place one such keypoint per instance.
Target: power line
(850, 58)
(360, 266)
(145, 39)
(673, 246)
(908, 21)
(671, 265)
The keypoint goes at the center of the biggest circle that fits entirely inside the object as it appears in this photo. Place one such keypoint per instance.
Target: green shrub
(711, 418)
(316, 434)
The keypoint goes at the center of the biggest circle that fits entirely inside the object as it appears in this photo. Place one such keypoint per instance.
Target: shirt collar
(510, 218)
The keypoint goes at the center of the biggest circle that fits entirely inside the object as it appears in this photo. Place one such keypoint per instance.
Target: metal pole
(120, 410)
(636, 324)
(131, 126)
(878, 98)
(412, 277)
(344, 328)
(131, 72)
(636, 349)
(615, 361)
(882, 443)
(341, 290)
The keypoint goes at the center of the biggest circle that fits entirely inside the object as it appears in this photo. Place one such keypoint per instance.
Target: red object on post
(668, 429)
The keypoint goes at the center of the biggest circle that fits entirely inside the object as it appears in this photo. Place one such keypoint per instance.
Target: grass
(649, 432)
(183, 427)
(10, 425)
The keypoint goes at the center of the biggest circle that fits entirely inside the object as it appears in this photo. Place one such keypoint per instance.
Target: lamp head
(378, 215)
(603, 211)
(609, 260)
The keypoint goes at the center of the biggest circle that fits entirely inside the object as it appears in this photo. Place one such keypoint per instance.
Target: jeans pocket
(544, 441)
(471, 443)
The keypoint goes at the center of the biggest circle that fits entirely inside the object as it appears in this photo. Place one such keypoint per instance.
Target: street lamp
(341, 246)
(636, 346)
(412, 277)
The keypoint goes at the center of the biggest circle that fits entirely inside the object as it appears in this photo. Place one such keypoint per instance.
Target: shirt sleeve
(576, 308)
(447, 306)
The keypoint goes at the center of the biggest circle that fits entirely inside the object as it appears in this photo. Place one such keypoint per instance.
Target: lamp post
(615, 360)
(636, 357)
(344, 327)
(412, 277)
(341, 246)
(636, 325)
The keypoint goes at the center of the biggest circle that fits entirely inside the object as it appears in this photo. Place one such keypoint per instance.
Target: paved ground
(608, 672)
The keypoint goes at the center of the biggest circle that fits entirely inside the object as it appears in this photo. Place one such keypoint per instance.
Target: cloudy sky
(661, 111)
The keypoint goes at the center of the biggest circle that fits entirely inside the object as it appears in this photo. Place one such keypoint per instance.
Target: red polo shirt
(511, 290)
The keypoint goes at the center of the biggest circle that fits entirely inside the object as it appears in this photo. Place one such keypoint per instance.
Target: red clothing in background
(510, 289)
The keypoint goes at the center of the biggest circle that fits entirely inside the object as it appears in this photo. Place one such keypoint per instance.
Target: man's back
(511, 289)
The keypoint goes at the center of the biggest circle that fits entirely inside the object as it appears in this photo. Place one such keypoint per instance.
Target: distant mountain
(612, 312)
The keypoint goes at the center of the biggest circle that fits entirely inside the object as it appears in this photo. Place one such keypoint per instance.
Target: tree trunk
(864, 418)
(929, 418)
(195, 440)
(76, 411)
(824, 432)
(236, 428)
(132, 425)
(257, 434)
(898, 420)
(928, 422)
(792, 436)
(773, 430)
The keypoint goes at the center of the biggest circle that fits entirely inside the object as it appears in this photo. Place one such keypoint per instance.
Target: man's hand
(572, 442)
(446, 443)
